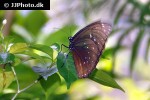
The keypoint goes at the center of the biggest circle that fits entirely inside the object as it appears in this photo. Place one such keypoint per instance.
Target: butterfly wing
(88, 45)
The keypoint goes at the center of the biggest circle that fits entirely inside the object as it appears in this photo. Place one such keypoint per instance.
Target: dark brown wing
(88, 45)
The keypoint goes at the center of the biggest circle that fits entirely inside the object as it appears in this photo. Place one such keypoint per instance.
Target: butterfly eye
(70, 39)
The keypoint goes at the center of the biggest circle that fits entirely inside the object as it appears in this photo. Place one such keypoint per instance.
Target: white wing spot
(89, 58)
(80, 64)
(98, 43)
(84, 43)
(90, 35)
(93, 48)
(84, 63)
(94, 39)
(104, 30)
(87, 47)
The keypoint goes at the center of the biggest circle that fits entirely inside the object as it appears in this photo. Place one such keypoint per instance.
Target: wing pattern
(87, 46)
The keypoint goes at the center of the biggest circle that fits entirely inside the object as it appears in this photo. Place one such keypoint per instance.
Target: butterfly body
(87, 46)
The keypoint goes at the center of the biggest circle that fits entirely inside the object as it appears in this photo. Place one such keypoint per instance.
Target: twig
(18, 86)
(18, 89)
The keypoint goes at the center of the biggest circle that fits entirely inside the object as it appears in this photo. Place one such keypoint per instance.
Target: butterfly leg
(64, 46)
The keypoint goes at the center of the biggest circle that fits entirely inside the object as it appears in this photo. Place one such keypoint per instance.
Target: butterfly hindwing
(87, 58)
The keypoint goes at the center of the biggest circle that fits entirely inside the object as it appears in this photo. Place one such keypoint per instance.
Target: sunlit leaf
(46, 49)
(104, 79)
(56, 49)
(6, 79)
(66, 68)
(18, 48)
(55, 46)
(108, 51)
(34, 55)
(135, 48)
(6, 58)
(52, 82)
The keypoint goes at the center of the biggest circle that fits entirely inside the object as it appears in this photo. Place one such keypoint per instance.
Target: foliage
(12, 55)
(141, 24)
(22, 46)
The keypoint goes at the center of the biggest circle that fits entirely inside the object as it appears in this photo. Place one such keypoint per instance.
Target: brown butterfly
(87, 46)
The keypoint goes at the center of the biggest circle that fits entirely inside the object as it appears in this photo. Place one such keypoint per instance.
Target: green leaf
(104, 79)
(6, 79)
(16, 61)
(6, 58)
(17, 37)
(56, 49)
(35, 21)
(34, 55)
(108, 51)
(52, 82)
(7, 41)
(66, 68)
(60, 36)
(46, 49)
(135, 48)
(20, 34)
(18, 48)
(55, 46)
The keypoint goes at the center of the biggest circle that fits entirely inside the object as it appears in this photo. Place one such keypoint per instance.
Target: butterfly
(87, 46)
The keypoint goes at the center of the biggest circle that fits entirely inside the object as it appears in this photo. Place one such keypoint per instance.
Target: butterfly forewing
(87, 46)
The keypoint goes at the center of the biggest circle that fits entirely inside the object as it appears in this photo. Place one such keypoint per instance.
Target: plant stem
(18, 86)
(18, 89)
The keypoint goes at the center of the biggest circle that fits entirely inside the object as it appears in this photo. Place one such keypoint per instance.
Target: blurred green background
(127, 49)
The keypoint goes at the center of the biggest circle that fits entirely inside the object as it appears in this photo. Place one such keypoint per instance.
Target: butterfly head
(71, 43)
(70, 39)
